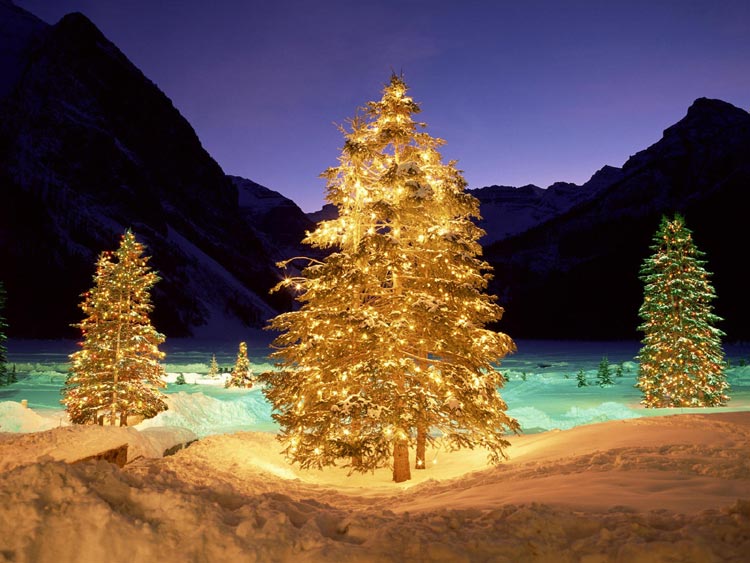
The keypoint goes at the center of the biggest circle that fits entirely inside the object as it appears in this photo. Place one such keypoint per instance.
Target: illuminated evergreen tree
(241, 375)
(3, 350)
(213, 367)
(681, 359)
(389, 347)
(116, 373)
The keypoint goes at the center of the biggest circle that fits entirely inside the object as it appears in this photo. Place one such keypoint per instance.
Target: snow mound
(14, 417)
(195, 378)
(75, 442)
(238, 409)
(536, 420)
(666, 488)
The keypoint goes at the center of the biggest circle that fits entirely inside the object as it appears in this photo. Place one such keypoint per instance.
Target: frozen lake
(542, 391)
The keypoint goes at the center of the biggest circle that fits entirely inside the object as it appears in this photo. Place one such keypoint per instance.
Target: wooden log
(117, 455)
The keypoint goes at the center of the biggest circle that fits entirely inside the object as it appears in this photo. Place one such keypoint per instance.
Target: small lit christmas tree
(3, 350)
(117, 372)
(241, 375)
(389, 347)
(213, 368)
(681, 359)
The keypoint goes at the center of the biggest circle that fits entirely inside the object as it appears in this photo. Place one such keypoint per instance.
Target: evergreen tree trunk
(356, 462)
(116, 374)
(421, 442)
(356, 459)
(401, 471)
(420, 462)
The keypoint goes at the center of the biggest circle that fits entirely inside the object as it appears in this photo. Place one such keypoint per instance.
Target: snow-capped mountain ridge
(280, 222)
(564, 275)
(90, 146)
(508, 211)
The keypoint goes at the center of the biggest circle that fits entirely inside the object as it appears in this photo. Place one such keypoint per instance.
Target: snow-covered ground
(594, 477)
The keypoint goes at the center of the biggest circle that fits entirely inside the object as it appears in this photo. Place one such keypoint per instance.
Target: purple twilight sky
(531, 91)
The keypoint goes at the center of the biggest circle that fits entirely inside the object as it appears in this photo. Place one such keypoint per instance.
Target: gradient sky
(528, 91)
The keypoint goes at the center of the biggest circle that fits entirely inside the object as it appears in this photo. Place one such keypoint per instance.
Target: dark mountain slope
(576, 276)
(508, 211)
(281, 222)
(88, 147)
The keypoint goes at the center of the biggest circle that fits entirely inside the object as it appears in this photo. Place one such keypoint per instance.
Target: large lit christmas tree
(389, 348)
(117, 373)
(681, 359)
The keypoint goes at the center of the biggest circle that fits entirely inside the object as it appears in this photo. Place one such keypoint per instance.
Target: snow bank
(14, 417)
(648, 490)
(534, 420)
(75, 442)
(236, 409)
(195, 378)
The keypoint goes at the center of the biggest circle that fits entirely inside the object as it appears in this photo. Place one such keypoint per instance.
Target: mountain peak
(707, 122)
(17, 28)
(91, 145)
(605, 176)
(79, 20)
(708, 115)
(81, 34)
(712, 105)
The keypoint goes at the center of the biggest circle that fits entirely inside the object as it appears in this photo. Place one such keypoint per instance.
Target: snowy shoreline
(649, 489)
(541, 389)
(595, 477)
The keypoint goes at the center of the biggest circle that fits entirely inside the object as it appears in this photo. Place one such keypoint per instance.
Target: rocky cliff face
(281, 223)
(576, 275)
(89, 147)
(17, 27)
(507, 211)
